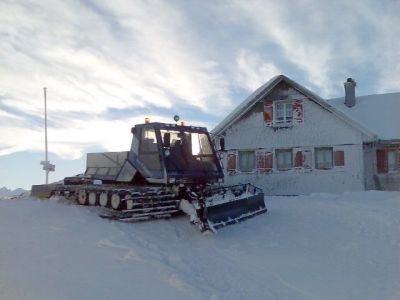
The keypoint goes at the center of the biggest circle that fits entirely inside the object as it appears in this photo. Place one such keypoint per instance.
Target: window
(148, 153)
(187, 151)
(392, 160)
(246, 161)
(324, 158)
(387, 160)
(283, 112)
(149, 141)
(284, 159)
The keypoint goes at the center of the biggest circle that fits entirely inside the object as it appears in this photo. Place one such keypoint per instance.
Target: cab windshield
(187, 151)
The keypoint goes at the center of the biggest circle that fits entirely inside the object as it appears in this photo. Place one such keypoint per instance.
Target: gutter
(388, 142)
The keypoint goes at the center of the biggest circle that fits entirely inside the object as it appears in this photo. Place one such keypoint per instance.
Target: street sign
(47, 166)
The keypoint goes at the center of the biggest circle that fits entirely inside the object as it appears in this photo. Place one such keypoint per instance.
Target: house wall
(319, 128)
(370, 167)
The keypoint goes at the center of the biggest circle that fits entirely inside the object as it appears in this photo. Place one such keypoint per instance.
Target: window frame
(281, 151)
(316, 150)
(249, 169)
(286, 120)
(381, 161)
(395, 164)
(142, 148)
(150, 157)
(383, 166)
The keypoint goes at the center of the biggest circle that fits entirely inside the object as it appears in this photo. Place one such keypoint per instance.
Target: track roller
(82, 197)
(92, 198)
(116, 201)
(103, 199)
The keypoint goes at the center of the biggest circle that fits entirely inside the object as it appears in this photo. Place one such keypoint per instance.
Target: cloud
(107, 64)
(328, 41)
(253, 71)
(93, 57)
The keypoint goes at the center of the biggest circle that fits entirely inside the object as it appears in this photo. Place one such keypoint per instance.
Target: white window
(149, 141)
(392, 160)
(283, 112)
(149, 149)
(246, 161)
(324, 158)
(284, 159)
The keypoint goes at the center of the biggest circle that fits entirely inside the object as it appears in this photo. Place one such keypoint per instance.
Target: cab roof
(167, 126)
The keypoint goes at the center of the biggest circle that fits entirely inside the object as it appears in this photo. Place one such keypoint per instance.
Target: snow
(263, 90)
(378, 113)
(322, 246)
(248, 102)
(5, 192)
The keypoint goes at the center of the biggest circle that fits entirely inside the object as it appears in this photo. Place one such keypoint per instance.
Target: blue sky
(109, 64)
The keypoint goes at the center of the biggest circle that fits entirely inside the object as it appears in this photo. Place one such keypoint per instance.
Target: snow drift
(309, 247)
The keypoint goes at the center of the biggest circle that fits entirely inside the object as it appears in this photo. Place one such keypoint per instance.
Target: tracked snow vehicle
(169, 168)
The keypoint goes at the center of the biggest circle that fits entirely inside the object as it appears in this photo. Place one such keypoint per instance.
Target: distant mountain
(5, 192)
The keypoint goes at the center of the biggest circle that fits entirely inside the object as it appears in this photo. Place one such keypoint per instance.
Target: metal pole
(45, 132)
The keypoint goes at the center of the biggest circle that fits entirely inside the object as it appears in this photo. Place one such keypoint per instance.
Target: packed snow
(378, 113)
(322, 246)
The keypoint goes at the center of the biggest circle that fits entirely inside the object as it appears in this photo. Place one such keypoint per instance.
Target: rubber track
(148, 202)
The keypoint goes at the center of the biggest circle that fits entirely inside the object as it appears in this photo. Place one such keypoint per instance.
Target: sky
(109, 64)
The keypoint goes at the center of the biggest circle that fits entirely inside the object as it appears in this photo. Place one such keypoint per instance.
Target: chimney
(350, 92)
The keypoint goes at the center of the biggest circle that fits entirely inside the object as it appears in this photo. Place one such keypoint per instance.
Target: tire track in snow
(198, 269)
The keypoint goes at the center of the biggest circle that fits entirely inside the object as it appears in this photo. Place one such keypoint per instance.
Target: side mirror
(222, 144)
(167, 139)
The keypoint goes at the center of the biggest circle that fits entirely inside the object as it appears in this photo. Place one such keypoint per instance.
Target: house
(379, 113)
(289, 141)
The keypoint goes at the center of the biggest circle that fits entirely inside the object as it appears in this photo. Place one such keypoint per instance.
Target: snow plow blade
(238, 203)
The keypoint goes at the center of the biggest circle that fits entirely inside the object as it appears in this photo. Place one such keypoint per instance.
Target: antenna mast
(47, 166)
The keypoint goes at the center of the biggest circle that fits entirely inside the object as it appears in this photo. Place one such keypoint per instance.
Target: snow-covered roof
(378, 113)
(249, 102)
(258, 95)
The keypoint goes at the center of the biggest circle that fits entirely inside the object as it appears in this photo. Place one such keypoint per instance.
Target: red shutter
(381, 161)
(268, 161)
(268, 112)
(260, 160)
(297, 111)
(298, 159)
(339, 158)
(263, 161)
(307, 159)
(231, 164)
